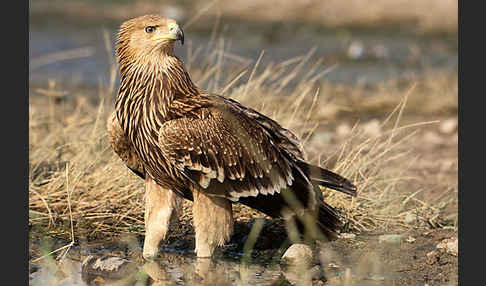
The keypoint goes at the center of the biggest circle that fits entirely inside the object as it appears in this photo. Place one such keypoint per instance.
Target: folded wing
(226, 153)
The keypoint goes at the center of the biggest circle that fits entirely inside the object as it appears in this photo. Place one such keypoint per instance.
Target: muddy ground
(361, 260)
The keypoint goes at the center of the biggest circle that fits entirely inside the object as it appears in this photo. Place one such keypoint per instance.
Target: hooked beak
(180, 35)
(175, 33)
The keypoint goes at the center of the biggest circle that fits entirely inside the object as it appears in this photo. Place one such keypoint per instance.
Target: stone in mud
(449, 245)
(296, 264)
(356, 50)
(297, 254)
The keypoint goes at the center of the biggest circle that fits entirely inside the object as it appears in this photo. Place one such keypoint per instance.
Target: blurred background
(370, 41)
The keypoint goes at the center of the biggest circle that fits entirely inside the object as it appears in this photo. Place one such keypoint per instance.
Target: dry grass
(76, 178)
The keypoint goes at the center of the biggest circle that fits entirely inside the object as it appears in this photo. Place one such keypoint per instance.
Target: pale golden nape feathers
(188, 141)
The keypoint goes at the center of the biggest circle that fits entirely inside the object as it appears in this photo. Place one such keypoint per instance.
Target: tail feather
(322, 177)
(327, 222)
(327, 219)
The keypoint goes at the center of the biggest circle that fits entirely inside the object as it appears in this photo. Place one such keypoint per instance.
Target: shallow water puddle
(170, 268)
(95, 267)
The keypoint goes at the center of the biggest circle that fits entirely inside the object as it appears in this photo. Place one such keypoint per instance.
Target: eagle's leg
(213, 222)
(160, 206)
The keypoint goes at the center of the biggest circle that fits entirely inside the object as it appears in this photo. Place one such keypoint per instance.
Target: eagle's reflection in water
(178, 269)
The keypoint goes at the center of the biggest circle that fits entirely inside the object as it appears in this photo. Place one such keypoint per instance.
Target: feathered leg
(160, 206)
(213, 223)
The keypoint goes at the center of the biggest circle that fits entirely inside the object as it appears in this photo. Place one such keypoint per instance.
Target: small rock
(410, 218)
(297, 270)
(297, 254)
(448, 126)
(348, 235)
(355, 50)
(390, 238)
(410, 239)
(449, 245)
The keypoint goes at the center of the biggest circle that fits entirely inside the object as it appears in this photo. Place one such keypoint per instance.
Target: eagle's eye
(150, 29)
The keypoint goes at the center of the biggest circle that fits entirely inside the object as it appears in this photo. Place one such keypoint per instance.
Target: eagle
(187, 143)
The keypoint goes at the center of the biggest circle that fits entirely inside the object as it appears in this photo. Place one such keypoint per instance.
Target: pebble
(390, 238)
(410, 218)
(355, 50)
(449, 245)
(296, 265)
(297, 254)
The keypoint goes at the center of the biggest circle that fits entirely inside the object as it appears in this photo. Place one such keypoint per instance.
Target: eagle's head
(145, 36)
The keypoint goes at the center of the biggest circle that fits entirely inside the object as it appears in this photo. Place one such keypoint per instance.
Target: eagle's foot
(160, 208)
(213, 223)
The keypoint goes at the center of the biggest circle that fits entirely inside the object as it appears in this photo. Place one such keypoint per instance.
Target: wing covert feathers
(226, 154)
